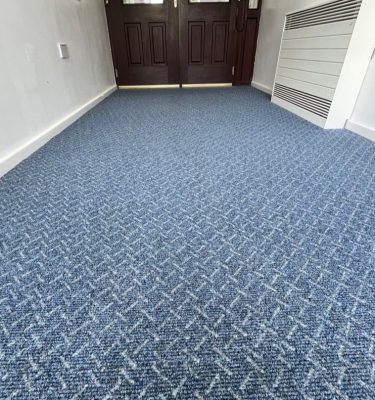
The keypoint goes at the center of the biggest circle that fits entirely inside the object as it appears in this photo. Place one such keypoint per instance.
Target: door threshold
(206, 85)
(129, 87)
(185, 85)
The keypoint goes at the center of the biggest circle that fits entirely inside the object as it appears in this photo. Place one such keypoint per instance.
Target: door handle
(175, 3)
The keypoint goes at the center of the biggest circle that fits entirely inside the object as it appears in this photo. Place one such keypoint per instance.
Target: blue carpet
(189, 244)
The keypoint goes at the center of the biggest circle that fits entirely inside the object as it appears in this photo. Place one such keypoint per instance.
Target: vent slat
(296, 103)
(341, 14)
(306, 101)
(328, 8)
(307, 106)
(278, 86)
(347, 10)
(319, 23)
(329, 13)
(313, 103)
(325, 7)
(290, 98)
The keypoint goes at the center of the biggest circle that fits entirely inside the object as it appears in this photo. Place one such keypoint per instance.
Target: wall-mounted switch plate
(63, 50)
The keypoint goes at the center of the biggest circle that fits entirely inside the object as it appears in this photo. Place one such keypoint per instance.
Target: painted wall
(355, 66)
(363, 118)
(38, 90)
(269, 39)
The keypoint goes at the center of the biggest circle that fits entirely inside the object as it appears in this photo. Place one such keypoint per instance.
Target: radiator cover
(313, 51)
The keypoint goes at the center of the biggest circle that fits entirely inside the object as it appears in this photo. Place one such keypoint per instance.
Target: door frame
(246, 44)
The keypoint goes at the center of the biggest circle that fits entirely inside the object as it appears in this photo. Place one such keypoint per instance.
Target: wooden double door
(160, 42)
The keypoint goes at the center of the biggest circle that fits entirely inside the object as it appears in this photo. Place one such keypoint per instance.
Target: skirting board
(365, 131)
(20, 154)
(260, 86)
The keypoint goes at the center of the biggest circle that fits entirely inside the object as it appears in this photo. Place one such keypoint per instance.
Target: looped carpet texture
(189, 244)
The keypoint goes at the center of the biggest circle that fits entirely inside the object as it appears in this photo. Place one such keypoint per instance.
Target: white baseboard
(20, 154)
(365, 131)
(260, 86)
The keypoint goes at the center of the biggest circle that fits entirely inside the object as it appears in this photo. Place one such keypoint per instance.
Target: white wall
(269, 39)
(355, 67)
(362, 120)
(40, 93)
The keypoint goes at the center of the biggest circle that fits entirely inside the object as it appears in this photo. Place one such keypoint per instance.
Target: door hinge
(116, 72)
(106, 1)
(233, 70)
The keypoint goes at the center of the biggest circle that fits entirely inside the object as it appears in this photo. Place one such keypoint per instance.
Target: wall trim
(365, 131)
(263, 88)
(9, 162)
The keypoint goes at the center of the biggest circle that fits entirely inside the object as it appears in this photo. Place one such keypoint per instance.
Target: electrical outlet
(63, 50)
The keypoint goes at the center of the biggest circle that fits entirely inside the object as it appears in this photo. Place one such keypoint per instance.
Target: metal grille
(340, 10)
(314, 104)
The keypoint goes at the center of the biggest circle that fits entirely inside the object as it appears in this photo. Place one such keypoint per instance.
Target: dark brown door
(183, 41)
(207, 41)
(144, 40)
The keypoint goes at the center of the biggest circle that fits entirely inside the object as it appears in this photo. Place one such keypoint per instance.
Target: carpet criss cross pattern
(189, 244)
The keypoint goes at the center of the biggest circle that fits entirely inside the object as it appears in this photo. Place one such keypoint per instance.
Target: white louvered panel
(310, 116)
(319, 42)
(340, 10)
(313, 50)
(334, 29)
(323, 67)
(309, 102)
(329, 81)
(316, 90)
(332, 55)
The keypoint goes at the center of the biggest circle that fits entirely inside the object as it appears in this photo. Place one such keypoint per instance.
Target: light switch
(63, 50)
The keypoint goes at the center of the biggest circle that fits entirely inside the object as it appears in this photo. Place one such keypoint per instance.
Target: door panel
(220, 38)
(207, 41)
(133, 36)
(158, 44)
(196, 42)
